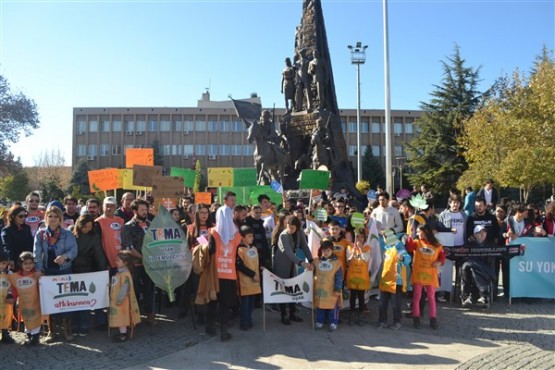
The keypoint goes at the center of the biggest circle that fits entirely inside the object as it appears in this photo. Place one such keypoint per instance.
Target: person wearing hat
(328, 284)
(477, 272)
(111, 227)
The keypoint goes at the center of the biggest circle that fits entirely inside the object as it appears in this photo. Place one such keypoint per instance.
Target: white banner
(446, 239)
(75, 292)
(278, 290)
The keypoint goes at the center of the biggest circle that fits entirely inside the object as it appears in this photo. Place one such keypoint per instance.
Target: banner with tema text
(533, 274)
(74, 292)
(102, 180)
(143, 156)
(127, 181)
(314, 179)
(278, 290)
(187, 174)
(220, 176)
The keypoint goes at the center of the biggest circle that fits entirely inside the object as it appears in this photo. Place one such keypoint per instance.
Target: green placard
(166, 255)
(314, 179)
(187, 174)
(321, 214)
(241, 194)
(357, 219)
(255, 191)
(244, 177)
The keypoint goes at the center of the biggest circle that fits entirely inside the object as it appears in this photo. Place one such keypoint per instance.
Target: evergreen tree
(198, 177)
(435, 155)
(79, 183)
(15, 187)
(158, 157)
(372, 170)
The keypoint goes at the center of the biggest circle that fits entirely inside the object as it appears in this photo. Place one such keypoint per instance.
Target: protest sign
(276, 198)
(127, 181)
(74, 292)
(239, 193)
(204, 198)
(143, 156)
(533, 274)
(166, 255)
(187, 174)
(357, 219)
(167, 187)
(220, 176)
(314, 179)
(244, 177)
(145, 175)
(278, 290)
(102, 180)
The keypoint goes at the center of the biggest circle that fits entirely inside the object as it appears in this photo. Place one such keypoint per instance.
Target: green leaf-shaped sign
(92, 287)
(166, 255)
(306, 288)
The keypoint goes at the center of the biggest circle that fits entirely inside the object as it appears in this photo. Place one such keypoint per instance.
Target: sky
(66, 54)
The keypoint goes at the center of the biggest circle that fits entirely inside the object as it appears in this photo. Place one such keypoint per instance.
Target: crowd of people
(231, 244)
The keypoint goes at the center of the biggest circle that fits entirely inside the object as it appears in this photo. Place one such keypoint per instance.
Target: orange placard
(143, 157)
(105, 179)
(204, 198)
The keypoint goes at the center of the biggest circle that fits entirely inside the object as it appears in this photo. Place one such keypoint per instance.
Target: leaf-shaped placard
(166, 255)
(418, 202)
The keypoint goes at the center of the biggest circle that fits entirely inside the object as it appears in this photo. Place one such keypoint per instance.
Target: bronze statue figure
(288, 85)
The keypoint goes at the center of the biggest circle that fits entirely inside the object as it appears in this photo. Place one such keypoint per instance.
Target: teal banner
(533, 274)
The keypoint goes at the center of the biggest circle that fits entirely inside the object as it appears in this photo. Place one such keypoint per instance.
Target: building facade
(211, 133)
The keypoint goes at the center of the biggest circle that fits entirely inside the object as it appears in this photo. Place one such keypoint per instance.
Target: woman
(55, 248)
(17, 237)
(548, 222)
(199, 228)
(90, 258)
(286, 260)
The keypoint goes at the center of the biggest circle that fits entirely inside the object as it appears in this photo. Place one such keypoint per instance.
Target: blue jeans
(247, 306)
(331, 314)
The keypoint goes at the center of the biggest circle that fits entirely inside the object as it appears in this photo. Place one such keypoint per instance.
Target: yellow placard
(220, 176)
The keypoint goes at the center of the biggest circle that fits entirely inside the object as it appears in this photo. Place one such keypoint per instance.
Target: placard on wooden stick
(167, 187)
(145, 175)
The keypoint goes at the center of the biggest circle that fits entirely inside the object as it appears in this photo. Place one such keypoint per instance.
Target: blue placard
(372, 195)
(533, 274)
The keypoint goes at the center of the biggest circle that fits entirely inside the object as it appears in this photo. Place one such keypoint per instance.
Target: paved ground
(519, 336)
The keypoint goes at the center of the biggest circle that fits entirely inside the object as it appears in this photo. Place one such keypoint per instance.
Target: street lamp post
(358, 57)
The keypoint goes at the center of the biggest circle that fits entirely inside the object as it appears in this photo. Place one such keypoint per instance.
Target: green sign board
(357, 219)
(187, 174)
(314, 179)
(244, 177)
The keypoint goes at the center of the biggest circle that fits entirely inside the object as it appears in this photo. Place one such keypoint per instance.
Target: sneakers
(396, 326)
(416, 322)
(482, 301)
(318, 326)
(467, 302)
(333, 327)
(433, 323)
(271, 308)
(382, 325)
(7, 338)
(120, 338)
(441, 299)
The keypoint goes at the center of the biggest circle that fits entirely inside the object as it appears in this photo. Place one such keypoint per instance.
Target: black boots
(32, 339)
(225, 334)
(6, 337)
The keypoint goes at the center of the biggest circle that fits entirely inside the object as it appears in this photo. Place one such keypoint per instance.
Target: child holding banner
(248, 274)
(6, 300)
(124, 309)
(358, 278)
(26, 284)
(328, 283)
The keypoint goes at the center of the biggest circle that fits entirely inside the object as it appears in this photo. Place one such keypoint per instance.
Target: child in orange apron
(6, 300)
(248, 274)
(358, 277)
(328, 283)
(124, 309)
(26, 284)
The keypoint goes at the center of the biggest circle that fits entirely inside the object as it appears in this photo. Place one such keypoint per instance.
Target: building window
(409, 128)
(104, 150)
(152, 124)
(166, 149)
(352, 126)
(81, 150)
(364, 127)
(177, 125)
(226, 126)
(116, 150)
(93, 126)
(212, 149)
(129, 126)
(81, 126)
(352, 150)
(165, 126)
(236, 150)
(105, 126)
(398, 150)
(248, 149)
(376, 150)
(200, 125)
(397, 129)
(176, 149)
(238, 126)
(213, 126)
(376, 127)
(188, 149)
(92, 149)
(116, 124)
(188, 126)
(200, 149)
(225, 149)
(343, 126)
(141, 125)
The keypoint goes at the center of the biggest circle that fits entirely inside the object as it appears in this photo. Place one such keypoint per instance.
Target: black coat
(16, 241)
(90, 255)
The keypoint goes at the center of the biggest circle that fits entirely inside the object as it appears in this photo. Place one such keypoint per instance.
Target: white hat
(479, 228)
(110, 200)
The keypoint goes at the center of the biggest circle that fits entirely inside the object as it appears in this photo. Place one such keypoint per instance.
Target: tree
(198, 177)
(15, 187)
(372, 170)
(17, 114)
(158, 156)
(510, 138)
(79, 182)
(435, 155)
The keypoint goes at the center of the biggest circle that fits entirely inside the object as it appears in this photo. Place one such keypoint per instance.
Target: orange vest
(324, 279)
(127, 313)
(6, 309)
(111, 237)
(340, 250)
(226, 256)
(358, 277)
(388, 282)
(27, 287)
(423, 272)
(248, 285)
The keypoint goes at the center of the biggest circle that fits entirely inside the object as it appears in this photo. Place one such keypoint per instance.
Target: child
(358, 277)
(26, 284)
(248, 274)
(328, 282)
(124, 310)
(6, 300)
(340, 244)
(394, 278)
(428, 256)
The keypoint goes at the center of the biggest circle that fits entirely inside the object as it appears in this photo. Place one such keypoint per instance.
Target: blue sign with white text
(533, 274)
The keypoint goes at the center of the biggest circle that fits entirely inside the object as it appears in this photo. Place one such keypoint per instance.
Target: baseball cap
(110, 200)
(479, 228)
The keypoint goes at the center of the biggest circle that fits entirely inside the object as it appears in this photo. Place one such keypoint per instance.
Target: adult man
(34, 214)
(185, 203)
(268, 217)
(93, 207)
(482, 217)
(387, 217)
(132, 236)
(125, 211)
(256, 223)
(70, 215)
(489, 194)
(110, 226)
(469, 200)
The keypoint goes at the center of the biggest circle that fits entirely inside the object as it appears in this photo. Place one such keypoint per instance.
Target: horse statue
(270, 159)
